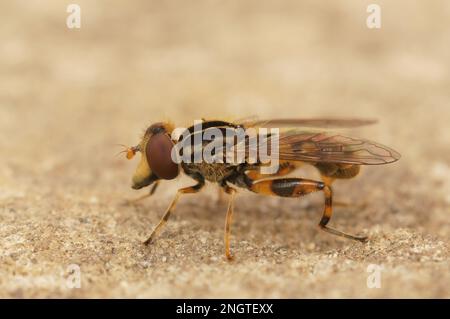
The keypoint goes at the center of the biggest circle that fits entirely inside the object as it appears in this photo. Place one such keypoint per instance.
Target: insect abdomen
(338, 170)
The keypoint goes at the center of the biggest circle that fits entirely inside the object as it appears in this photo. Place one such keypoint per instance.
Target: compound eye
(158, 152)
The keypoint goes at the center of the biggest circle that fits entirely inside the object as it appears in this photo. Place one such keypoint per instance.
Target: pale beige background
(67, 96)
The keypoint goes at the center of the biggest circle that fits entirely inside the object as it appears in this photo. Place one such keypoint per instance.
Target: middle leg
(228, 220)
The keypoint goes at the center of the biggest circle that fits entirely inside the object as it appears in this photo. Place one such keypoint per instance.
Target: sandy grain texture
(67, 96)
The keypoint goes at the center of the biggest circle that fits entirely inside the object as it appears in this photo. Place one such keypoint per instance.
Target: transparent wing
(321, 147)
(308, 122)
(333, 148)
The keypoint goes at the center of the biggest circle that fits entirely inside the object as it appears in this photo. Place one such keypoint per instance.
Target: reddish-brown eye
(158, 152)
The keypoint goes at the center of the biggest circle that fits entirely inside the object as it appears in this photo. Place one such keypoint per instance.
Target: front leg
(187, 190)
(150, 193)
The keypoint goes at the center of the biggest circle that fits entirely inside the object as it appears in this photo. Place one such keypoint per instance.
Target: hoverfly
(334, 155)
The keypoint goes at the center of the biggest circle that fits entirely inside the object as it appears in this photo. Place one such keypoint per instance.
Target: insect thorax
(214, 172)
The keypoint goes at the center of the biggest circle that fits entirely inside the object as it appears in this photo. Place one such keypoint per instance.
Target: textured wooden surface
(67, 96)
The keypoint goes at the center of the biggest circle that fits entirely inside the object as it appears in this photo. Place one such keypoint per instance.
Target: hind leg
(329, 172)
(296, 187)
(328, 211)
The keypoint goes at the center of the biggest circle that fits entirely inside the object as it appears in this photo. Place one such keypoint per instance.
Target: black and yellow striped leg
(228, 220)
(328, 181)
(296, 187)
(163, 221)
(328, 211)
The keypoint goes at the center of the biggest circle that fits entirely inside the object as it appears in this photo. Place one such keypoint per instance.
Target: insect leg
(296, 187)
(284, 169)
(152, 191)
(162, 222)
(327, 216)
(228, 221)
(220, 196)
(328, 181)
